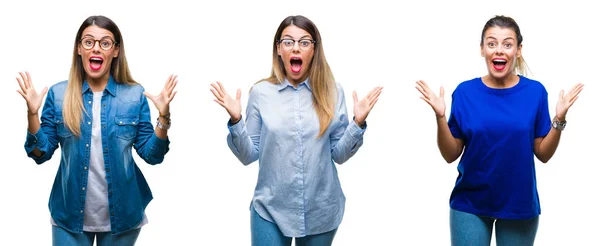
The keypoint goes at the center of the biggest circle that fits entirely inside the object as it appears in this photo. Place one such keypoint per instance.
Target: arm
(41, 145)
(545, 145)
(244, 136)
(450, 147)
(151, 144)
(347, 137)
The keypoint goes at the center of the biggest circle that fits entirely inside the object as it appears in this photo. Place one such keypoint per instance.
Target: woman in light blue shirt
(296, 126)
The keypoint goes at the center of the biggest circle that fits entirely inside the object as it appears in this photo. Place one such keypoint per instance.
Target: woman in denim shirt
(96, 117)
(296, 126)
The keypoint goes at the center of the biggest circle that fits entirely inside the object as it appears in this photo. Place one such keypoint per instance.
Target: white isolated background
(397, 186)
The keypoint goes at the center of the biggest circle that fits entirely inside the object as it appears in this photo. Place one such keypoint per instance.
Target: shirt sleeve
(454, 119)
(542, 119)
(244, 136)
(347, 137)
(46, 138)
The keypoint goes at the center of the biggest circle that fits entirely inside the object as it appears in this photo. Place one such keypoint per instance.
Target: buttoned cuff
(33, 141)
(236, 129)
(355, 130)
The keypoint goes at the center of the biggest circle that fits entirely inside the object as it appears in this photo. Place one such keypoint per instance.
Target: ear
(519, 50)
(79, 49)
(117, 49)
(278, 50)
(481, 49)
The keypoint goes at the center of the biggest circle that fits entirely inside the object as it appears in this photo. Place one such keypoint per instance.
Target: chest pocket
(126, 126)
(61, 129)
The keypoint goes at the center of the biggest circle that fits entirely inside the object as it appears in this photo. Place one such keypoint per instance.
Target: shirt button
(108, 170)
(85, 168)
(120, 122)
(89, 123)
(87, 145)
(89, 102)
(34, 141)
(133, 123)
(83, 188)
(104, 105)
(80, 211)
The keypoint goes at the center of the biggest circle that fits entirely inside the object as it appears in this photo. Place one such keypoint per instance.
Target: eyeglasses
(304, 44)
(106, 43)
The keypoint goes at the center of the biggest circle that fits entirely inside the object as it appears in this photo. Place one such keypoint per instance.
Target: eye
(88, 42)
(508, 46)
(491, 44)
(287, 42)
(105, 43)
(305, 43)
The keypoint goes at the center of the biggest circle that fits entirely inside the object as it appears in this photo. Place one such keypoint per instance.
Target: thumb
(148, 95)
(441, 92)
(238, 95)
(354, 96)
(44, 91)
(561, 94)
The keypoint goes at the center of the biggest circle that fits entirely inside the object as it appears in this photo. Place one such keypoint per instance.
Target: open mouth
(499, 63)
(96, 62)
(296, 64)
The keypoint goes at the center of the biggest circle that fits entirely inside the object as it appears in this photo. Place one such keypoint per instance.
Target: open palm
(232, 105)
(28, 92)
(565, 101)
(364, 106)
(164, 98)
(436, 102)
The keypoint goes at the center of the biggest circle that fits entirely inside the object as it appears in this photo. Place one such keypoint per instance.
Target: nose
(96, 48)
(296, 47)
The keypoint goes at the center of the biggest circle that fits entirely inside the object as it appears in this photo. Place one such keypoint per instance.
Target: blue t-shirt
(498, 126)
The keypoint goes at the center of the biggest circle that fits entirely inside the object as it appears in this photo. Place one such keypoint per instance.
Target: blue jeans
(265, 233)
(62, 237)
(474, 230)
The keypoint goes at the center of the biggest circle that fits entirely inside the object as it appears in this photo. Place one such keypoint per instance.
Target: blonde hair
(321, 78)
(73, 101)
(507, 22)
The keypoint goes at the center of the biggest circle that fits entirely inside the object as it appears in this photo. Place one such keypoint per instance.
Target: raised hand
(232, 105)
(566, 101)
(436, 102)
(164, 98)
(364, 106)
(32, 98)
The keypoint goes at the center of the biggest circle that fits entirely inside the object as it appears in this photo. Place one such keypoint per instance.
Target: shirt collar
(111, 87)
(285, 83)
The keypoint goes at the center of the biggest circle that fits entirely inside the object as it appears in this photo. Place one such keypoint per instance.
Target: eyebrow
(303, 37)
(509, 38)
(92, 36)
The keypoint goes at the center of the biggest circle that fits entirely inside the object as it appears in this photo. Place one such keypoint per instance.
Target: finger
(423, 92)
(424, 86)
(426, 100)
(167, 82)
(24, 80)
(375, 97)
(561, 94)
(22, 94)
(217, 95)
(574, 99)
(44, 91)
(373, 92)
(218, 91)
(441, 92)
(575, 94)
(149, 96)
(354, 97)
(171, 88)
(21, 85)
(172, 96)
(238, 94)
(223, 92)
(373, 104)
(29, 80)
(220, 103)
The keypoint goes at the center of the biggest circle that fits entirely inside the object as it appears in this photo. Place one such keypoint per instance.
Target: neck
(505, 82)
(296, 82)
(98, 84)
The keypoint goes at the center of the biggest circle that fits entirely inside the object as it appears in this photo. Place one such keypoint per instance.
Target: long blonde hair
(73, 102)
(507, 22)
(321, 78)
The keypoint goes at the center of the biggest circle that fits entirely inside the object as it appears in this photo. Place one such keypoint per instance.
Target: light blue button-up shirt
(298, 187)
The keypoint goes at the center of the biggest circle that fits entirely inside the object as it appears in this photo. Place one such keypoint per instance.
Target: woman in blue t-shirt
(501, 120)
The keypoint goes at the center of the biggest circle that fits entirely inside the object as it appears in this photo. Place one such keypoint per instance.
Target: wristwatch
(161, 125)
(559, 125)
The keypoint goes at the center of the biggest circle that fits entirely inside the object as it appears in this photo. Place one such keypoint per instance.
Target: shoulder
(534, 84)
(59, 87)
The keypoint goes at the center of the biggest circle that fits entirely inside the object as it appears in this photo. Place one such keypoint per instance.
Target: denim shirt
(298, 187)
(125, 121)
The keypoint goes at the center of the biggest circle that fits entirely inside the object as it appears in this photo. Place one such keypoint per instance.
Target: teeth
(95, 59)
(499, 61)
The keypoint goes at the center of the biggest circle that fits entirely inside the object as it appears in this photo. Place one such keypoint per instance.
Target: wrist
(560, 118)
(31, 113)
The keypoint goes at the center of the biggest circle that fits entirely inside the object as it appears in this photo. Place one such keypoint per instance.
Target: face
(97, 50)
(296, 50)
(500, 51)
